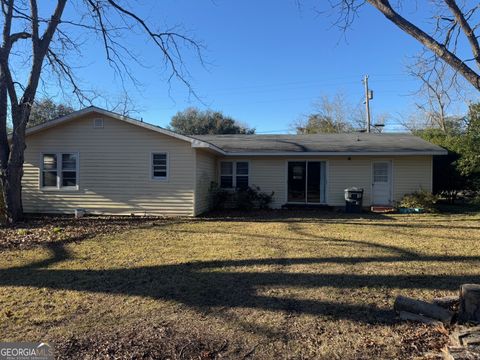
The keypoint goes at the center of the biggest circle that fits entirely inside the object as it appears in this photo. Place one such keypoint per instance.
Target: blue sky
(267, 61)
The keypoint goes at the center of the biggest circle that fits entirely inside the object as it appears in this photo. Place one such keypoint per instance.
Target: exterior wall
(409, 173)
(412, 174)
(114, 170)
(206, 172)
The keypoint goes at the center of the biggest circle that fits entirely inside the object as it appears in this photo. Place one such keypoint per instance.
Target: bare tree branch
(467, 29)
(439, 49)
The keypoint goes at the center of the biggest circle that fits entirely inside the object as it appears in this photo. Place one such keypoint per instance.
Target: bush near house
(242, 199)
(420, 199)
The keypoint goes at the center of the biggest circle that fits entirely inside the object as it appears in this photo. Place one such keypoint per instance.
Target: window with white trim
(234, 174)
(160, 166)
(59, 171)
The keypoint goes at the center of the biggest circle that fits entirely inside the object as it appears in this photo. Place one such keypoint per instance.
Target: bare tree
(454, 24)
(331, 115)
(440, 87)
(50, 42)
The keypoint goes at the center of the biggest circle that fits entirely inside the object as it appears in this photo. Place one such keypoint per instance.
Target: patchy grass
(273, 285)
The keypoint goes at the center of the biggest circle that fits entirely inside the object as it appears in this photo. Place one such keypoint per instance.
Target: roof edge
(196, 143)
(340, 153)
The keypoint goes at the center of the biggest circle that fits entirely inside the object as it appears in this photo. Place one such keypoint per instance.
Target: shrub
(252, 198)
(218, 196)
(475, 199)
(420, 199)
(242, 199)
(263, 200)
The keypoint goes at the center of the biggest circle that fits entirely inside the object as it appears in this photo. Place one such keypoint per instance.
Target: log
(405, 315)
(424, 308)
(469, 303)
(466, 336)
(447, 302)
(459, 353)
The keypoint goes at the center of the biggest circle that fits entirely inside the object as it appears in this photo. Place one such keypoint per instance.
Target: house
(107, 163)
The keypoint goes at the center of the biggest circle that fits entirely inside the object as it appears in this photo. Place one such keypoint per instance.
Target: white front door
(382, 183)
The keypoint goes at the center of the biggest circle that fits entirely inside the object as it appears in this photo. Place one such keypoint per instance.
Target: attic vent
(98, 123)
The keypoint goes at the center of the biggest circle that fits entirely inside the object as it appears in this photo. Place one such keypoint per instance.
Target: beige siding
(115, 171)
(344, 173)
(410, 173)
(206, 172)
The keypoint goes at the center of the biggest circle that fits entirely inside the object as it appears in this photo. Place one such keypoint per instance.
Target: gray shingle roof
(402, 144)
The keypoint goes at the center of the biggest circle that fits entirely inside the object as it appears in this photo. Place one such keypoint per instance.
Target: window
(59, 171)
(98, 123)
(226, 174)
(241, 175)
(234, 174)
(380, 172)
(159, 166)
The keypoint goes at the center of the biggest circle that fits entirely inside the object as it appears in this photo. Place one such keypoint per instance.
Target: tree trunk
(12, 194)
(414, 306)
(470, 303)
(12, 173)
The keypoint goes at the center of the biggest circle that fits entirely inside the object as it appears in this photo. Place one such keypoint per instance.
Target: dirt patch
(148, 342)
(40, 230)
(163, 342)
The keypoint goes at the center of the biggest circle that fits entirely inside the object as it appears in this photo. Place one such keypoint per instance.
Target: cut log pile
(459, 314)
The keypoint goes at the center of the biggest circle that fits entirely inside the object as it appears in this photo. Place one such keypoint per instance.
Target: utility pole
(368, 97)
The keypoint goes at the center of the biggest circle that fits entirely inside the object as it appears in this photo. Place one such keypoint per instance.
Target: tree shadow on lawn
(335, 217)
(207, 285)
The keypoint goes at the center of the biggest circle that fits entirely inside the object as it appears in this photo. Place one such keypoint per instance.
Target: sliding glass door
(306, 182)
(297, 181)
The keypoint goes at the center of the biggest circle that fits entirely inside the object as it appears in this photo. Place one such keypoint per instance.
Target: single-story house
(107, 163)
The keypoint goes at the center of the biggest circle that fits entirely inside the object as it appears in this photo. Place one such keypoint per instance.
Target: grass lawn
(272, 286)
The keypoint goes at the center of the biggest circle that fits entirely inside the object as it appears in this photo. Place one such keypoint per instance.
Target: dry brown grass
(275, 285)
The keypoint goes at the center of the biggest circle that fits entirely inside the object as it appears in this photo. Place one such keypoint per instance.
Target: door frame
(390, 174)
(325, 202)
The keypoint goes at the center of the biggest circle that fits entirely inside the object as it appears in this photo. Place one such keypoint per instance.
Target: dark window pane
(242, 182)
(159, 165)
(49, 162)
(69, 162)
(49, 178)
(226, 181)
(226, 168)
(242, 168)
(69, 178)
(159, 157)
(159, 173)
(296, 181)
(313, 182)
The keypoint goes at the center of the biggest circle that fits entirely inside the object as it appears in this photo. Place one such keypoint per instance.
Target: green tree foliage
(318, 123)
(469, 163)
(460, 169)
(193, 121)
(46, 110)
